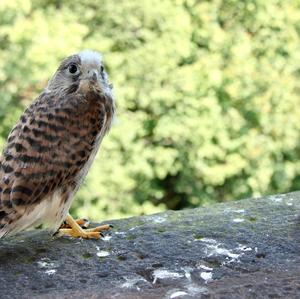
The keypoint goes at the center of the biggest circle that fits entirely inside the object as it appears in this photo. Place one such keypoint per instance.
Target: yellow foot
(76, 231)
(82, 222)
(79, 233)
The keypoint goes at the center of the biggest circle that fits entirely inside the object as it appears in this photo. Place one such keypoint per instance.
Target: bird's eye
(73, 69)
(102, 68)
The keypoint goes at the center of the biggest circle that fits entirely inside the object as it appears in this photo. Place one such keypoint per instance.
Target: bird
(52, 146)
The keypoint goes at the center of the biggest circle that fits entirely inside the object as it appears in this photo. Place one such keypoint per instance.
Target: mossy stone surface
(243, 249)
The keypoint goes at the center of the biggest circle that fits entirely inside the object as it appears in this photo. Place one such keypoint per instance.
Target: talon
(83, 222)
(55, 234)
(85, 225)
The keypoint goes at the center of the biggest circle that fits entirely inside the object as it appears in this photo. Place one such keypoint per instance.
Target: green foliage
(207, 95)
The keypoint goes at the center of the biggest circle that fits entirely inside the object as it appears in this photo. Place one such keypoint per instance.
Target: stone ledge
(243, 249)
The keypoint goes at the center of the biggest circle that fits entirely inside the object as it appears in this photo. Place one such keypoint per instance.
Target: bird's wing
(45, 151)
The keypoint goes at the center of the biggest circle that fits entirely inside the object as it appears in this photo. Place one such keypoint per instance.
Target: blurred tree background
(207, 95)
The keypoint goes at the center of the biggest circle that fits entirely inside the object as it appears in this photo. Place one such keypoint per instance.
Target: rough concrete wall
(243, 249)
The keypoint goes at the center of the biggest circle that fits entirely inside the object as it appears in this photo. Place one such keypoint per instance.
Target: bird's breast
(98, 120)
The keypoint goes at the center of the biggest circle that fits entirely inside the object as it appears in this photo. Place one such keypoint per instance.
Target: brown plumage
(51, 148)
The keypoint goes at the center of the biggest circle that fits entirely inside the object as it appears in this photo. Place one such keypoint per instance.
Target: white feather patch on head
(89, 57)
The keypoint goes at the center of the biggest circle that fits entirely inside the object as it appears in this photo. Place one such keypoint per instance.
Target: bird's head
(83, 72)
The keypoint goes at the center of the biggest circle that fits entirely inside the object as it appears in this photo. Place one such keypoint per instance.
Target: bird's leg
(77, 232)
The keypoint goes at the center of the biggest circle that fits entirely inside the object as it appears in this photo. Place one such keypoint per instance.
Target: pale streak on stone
(159, 220)
(50, 272)
(275, 199)
(244, 248)
(178, 294)
(224, 251)
(133, 228)
(156, 219)
(163, 274)
(130, 282)
(102, 253)
(238, 220)
(205, 268)
(44, 263)
(194, 289)
(187, 272)
(239, 211)
(230, 211)
(207, 240)
(206, 276)
(215, 249)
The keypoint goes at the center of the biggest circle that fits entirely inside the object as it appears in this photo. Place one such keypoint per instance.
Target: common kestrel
(51, 148)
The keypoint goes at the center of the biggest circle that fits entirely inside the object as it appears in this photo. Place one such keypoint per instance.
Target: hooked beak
(93, 81)
(89, 81)
(92, 75)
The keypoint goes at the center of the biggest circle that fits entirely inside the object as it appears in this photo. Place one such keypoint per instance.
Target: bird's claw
(82, 222)
(78, 229)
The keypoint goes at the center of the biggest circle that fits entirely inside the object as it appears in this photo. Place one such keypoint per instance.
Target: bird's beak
(89, 81)
(92, 75)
